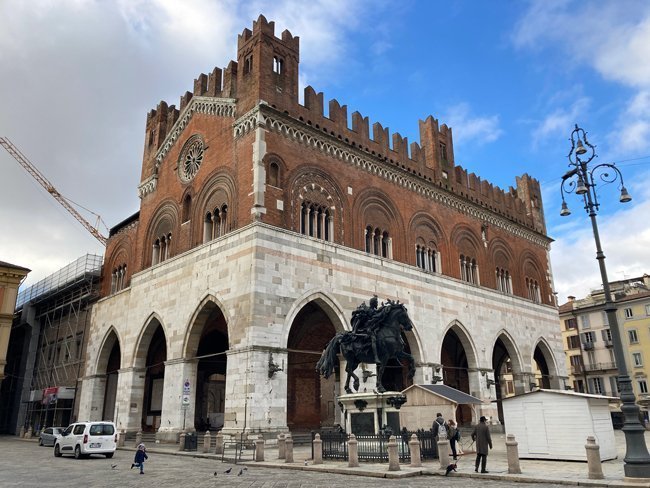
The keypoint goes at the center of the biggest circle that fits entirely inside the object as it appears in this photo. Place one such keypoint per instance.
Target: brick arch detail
(376, 208)
(313, 183)
(165, 219)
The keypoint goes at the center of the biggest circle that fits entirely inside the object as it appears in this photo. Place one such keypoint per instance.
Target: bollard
(22, 432)
(593, 459)
(318, 450)
(219, 444)
(138, 438)
(353, 452)
(288, 444)
(206, 441)
(281, 446)
(414, 448)
(121, 438)
(512, 453)
(181, 441)
(443, 453)
(393, 457)
(259, 449)
(28, 434)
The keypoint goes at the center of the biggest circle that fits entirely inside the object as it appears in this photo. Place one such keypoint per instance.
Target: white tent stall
(555, 424)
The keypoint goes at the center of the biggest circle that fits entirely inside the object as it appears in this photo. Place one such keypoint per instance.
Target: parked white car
(85, 438)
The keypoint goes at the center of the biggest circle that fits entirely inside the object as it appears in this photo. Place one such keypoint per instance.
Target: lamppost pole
(580, 180)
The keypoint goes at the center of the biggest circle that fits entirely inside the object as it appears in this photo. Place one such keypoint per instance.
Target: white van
(85, 438)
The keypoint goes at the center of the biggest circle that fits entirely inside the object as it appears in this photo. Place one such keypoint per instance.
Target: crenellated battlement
(432, 158)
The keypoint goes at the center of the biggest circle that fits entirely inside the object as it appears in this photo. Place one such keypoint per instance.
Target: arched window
(278, 65)
(118, 279)
(378, 242)
(316, 221)
(161, 249)
(532, 287)
(427, 259)
(469, 270)
(504, 281)
(187, 208)
(274, 174)
(215, 224)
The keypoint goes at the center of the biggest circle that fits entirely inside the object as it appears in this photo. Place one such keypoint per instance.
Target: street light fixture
(580, 179)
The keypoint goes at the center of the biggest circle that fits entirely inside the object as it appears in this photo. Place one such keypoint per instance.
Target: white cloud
(79, 76)
(611, 37)
(470, 128)
(625, 239)
(560, 121)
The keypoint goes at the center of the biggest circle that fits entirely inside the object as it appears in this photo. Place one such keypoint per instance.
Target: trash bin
(190, 441)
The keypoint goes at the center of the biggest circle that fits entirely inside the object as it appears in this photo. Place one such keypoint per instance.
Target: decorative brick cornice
(265, 116)
(148, 186)
(219, 107)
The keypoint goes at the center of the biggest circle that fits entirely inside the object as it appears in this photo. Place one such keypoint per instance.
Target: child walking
(140, 456)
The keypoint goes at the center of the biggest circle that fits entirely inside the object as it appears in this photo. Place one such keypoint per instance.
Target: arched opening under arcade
(112, 374)
(311, 399)
(542, 364)
(209, 343)
(455, 369)
(507, 369)
(154, 363)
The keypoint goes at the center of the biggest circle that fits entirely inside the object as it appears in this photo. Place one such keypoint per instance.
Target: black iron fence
(374, 448)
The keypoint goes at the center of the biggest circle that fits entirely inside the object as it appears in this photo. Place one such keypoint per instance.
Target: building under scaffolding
(47, 348)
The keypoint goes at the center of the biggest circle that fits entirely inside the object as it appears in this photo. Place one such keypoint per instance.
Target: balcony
(599, 366)
(609, 343)
(587, 346)
(577, 369)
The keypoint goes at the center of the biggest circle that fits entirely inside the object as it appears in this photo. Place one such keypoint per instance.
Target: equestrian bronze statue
(375, 339)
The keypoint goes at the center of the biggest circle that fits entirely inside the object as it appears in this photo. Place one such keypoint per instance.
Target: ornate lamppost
(581, 180)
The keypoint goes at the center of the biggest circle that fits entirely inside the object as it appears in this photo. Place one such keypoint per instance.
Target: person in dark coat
(481, 436)
(140, 456)
(453, 437)
(440, 427)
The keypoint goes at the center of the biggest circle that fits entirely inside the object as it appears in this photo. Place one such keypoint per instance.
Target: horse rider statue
(365, 323)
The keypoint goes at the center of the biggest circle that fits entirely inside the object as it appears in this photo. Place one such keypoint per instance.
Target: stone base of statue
(371, 413)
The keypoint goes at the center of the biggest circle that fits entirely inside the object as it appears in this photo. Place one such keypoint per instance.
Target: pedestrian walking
(140, 456)
(454, 437)
(481, 435)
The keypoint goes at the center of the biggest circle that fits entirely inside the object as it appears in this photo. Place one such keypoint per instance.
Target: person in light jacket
(481, 436)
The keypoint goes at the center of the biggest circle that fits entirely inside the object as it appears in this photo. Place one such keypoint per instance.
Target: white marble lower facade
(259, 278)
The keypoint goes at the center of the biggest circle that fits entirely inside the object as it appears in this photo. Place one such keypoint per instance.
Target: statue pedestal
(367, 413)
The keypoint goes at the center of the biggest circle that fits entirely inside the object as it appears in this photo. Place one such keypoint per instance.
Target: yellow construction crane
(38, 176)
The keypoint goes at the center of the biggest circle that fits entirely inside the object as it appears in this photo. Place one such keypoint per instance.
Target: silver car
(49, 436)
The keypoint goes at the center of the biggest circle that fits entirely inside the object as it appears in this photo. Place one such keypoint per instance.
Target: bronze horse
(356, 349)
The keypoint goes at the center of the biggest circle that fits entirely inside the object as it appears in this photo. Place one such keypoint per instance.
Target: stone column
(353, 452)
(593, 459)
(512, 452)
(281, 446)
(206, 442)
(443, 453)
(259, 449)
(318, 449)
(173, 416)
(393, 456)
(289, 449)
(219, 444)
(414, 448)
(129, 405)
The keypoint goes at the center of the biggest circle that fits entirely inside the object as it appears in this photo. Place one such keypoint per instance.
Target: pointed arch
(543, 356)
(111, 337)
(193, 331)
(465, 339)
(142, 343)
(511, 347)
(329, 305)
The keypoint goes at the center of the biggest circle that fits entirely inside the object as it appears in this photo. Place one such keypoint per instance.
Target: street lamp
(581, 179)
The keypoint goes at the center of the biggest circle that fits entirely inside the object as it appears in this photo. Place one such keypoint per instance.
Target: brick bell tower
(267, 67)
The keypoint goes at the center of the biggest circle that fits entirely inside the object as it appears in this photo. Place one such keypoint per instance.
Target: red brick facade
(411, 194)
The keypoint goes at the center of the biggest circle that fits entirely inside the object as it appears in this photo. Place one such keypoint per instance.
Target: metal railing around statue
(374, 448)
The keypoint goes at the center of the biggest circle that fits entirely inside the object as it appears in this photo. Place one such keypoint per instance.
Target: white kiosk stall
(555, 424)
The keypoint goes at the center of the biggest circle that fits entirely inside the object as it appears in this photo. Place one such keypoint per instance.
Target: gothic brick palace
(265, 222)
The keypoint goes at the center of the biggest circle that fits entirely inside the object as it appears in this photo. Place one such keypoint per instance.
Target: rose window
(191, 159)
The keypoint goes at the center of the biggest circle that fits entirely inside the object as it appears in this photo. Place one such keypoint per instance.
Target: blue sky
(510, 78)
